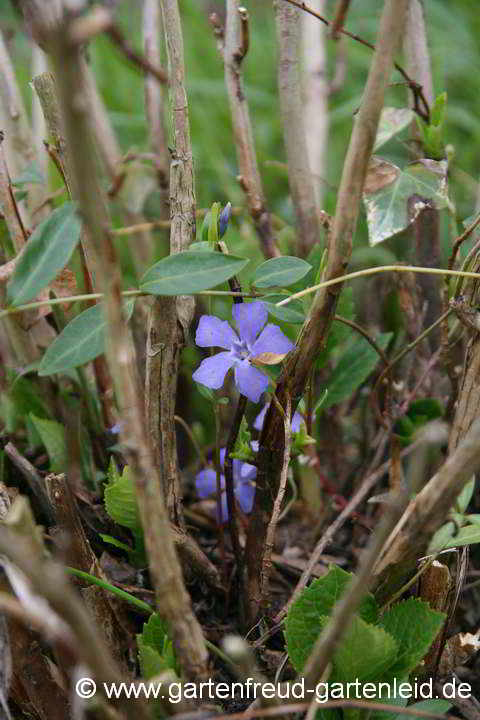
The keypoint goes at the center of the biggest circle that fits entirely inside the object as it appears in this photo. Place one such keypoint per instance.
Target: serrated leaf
(150, 660)
(52, 435)
(392, 121)
(415, 626)
(353, 368)
(365, 653)
(292, 313)
(121, 503)
(190, 272)
(303, 621)
(281, 272)
(155, 647)
(388, 192)
(81, 341)
(47, 251)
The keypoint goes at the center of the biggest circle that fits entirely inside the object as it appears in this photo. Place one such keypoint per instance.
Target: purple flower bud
(223, 219)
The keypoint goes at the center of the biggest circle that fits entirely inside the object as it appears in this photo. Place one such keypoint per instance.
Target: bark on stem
(288, 22)
(315, 330)
(173, 602)
(234, 51)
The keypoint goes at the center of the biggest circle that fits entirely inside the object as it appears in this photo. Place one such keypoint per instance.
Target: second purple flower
(241, 349)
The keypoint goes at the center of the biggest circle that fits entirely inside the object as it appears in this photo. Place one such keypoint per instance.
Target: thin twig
(412, 84)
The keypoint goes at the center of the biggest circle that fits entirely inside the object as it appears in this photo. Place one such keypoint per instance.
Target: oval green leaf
(280, 272)
(190, 272)
(47, 251)
(292, 313)
(82, 340)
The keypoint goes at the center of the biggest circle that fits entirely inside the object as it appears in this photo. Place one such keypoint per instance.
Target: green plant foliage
(433, 132)
(317, 601)
(47, 251)
(389, 191)
(155, 649)
(415, 626)
(121, 505)
(375, 648)
(419, 414)
(52, 434)
(190, 272)
(353, 368)
(392, 121)
(280, 272)
(81, 341)
(291, 313)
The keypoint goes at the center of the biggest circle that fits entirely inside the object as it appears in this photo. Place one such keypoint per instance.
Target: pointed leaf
(392, 121)
(121, 503)
(47, 251)
(190, 272)
(82, 340)
(365, 653)
(415, 626)
(52, 434)
(303, 621)
(281, 271)
(353, 368)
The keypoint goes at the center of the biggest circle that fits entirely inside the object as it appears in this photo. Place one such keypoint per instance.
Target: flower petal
(211, 371)
(250, 381)
(206, 482)
(249, 319)
(272, 340)
(297, 421)
(213, 332)
(258, 423)
(245, 494)
(224, 509)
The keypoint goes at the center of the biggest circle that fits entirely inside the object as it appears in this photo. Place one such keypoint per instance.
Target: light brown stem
(315, 330)
(288, 22)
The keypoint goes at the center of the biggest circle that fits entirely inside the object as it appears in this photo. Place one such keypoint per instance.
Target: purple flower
(244, 488)
(213, 332)
(223, 219)
(296, 424)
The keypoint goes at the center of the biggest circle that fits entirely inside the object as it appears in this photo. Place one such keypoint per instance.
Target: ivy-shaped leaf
(394, 198)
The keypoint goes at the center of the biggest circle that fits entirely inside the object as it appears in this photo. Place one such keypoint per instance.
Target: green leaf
(465, 496)
(82, 340)
(190, 272)
(292, 313)
(281, 271)
(442, 537)
(414, 625)
(353, 368)
(467, 535)
(121, 503)
(436, 706)
(366, 653)
(303, 621)
(392, 121)
(155, 647)
(52, 434)
(388, 193)
(47, 251)
(110, 540)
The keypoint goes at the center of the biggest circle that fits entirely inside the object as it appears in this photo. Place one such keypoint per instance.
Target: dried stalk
(173, 602)
(233, 52)
(317, 325)
(425, 513)
(288, 23)
(170, 317)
